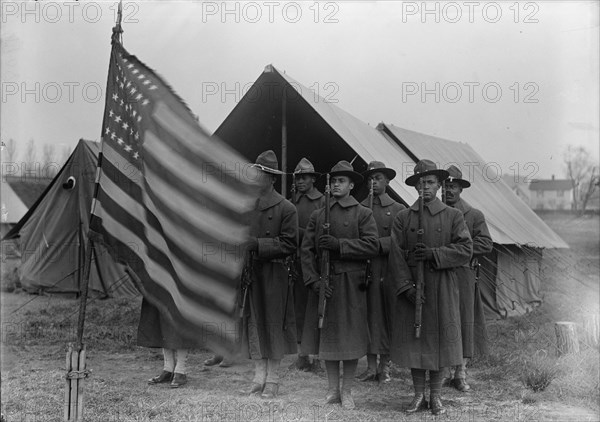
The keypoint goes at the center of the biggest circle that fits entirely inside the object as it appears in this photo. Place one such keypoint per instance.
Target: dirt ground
(33, 371)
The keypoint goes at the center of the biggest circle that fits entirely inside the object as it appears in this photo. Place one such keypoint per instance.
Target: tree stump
(566, 338)
(591, 328)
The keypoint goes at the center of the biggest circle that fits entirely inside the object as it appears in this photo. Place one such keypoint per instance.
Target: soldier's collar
(384, 200)
(312, 194)
(434, 206)
(268, 200)
(346, 202)
(463, 206)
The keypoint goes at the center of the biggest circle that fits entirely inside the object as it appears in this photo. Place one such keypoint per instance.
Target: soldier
(384, 209)
(307, 198)
(472, 317)
(270, 328)
(446, 245)
(351, 241)
(155, 330)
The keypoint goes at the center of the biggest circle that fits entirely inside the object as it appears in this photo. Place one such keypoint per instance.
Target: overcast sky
(517, 81)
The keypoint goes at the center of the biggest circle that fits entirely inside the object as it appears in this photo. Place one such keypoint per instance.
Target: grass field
(36, 330)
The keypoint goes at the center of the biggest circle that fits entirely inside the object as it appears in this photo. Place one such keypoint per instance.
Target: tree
(582, 171)
(8, 151)
(49, 161)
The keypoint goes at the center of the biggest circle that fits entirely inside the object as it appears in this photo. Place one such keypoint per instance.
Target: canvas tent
(18, 194)
(55, 227)
(325, 133)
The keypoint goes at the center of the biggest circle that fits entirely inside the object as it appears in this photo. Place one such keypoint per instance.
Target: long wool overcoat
(156, 330)
(305, 204)
(270, 328)
(378, 297)
(445, 231)
(472, 316)
(345, 333)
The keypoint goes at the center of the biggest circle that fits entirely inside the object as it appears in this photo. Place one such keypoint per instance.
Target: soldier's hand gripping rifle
(420, 268)
(325, 268)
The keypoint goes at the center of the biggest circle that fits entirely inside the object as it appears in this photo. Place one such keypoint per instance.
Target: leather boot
(178, 380)
(418, 403)
(164, 377)
(254, 388)
(461, 385)
(367, 375)
(333, 396)
(437, 408)
(213, 360)
(384, 372)
(347, 399)
(270, 391)
(301, 364)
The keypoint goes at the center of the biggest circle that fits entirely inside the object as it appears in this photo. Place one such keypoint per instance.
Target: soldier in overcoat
(157, 331)
(352, 240)
(270, 327)
(472, 317)
(307, 198)
(446, 245)
(384, 209)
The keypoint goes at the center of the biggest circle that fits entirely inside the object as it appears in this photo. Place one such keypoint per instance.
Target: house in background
(519, 185)
(551, 194)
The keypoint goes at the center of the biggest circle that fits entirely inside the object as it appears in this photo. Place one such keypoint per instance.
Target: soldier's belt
(340, 266)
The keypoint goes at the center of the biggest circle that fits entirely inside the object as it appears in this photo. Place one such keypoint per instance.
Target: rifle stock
(325, 267)
(420, 270)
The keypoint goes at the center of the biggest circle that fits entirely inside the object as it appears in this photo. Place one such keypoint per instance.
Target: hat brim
(464, 183)
(389, 173)
(414, 179)
(309, 173)
(267, 169)
(354, 176)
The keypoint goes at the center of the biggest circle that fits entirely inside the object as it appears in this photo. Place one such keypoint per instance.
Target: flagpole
(76, 357)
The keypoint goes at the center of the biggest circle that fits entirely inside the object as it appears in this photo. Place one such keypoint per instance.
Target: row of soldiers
(374, 249)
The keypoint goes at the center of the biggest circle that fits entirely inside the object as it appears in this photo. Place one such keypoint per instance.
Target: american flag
(171, 202)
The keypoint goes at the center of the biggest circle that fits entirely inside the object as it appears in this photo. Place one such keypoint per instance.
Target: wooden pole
(284, 144)
(566, 338)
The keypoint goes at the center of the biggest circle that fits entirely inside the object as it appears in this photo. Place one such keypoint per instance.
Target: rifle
(246, 280)
(444, 191)
(369, 274)
(325, 270)
(292, 277)
(420, 269)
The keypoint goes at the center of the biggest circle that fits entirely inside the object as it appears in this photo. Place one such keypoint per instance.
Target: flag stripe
(162, 249)
(197, 315)
(190, 242)
(205, 186)
(205, 147)
(162, 276)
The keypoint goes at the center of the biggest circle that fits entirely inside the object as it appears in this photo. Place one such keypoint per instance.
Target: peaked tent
(511, 274)
(324, 133)
(18, 194)
(53, 229)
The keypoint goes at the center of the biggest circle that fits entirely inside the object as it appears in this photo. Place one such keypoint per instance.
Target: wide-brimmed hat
(305, 167)
(344, 168)
(379, 167)
(455, 176)
(425, 168)
(267, 162)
